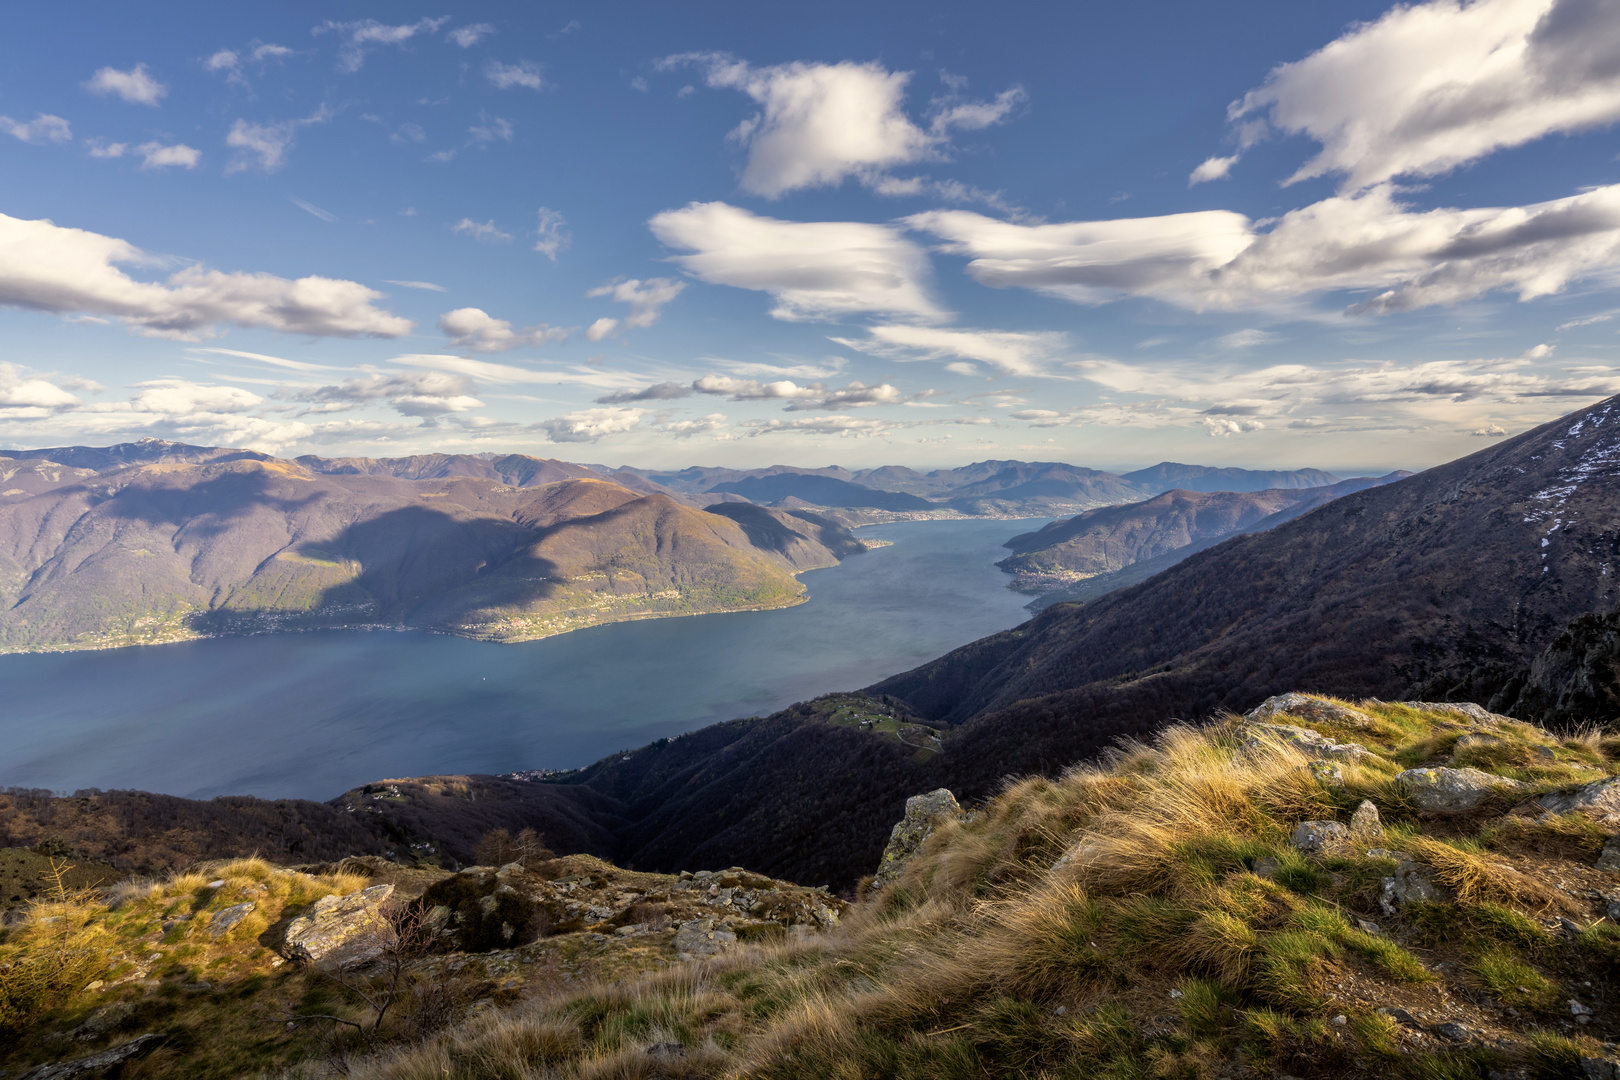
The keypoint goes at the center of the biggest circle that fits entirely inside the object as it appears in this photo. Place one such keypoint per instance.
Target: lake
(311, 715)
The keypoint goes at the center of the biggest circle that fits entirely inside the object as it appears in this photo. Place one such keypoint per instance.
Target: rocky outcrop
(923, 813)
(1599, 800)
(343, 932)
(1410, 883)
(1310, 709)
(1256, 734)
(484, 909)
(112, 1059)
(1453, 791)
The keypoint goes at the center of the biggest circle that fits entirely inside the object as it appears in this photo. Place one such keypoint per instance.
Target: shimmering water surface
(311, 715)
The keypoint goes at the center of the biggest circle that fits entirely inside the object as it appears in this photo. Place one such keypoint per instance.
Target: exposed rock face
(699, 937)
(1599, 800)
(911, 831)
(342, 932)
(1257, 734)
(1465, 710)
(1610, 859)
(108, 1059)
(1312, 709)
(1316, 837)
(1453, 791)
(1365, 824)
(482, 909)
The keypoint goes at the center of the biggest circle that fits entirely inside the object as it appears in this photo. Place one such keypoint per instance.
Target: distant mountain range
(1161, 531)
(162, 542)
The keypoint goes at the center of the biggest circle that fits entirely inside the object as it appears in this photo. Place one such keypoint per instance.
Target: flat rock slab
(1256, 734)
(223, 921)
(1312, 709)
(1599, 800)
(1453, 791)
(1316, 837)
(343, 932)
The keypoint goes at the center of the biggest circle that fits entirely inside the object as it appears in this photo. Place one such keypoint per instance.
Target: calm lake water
(312, 715)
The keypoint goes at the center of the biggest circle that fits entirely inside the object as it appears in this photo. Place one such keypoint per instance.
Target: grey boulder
(1453, 791)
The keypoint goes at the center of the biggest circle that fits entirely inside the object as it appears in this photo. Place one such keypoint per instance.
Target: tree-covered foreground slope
(116, 553)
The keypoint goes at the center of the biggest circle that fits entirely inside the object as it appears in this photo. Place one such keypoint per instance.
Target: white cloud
(1223, 426)
(1429, 87)
(101, 148)
(230, 61)
(1010, 352)
(313, 210)
(265, 146)
(686, 429)
(646, 300)
(470, 35)
(1215, 168)
(601, 329)
(1094, 261)
(1490, 431)
(19, 390)
(814, 270)
(551, 235)
(134, 86)
(589, 425)
(1246, 339)
(422, 394)
(46, 267)
(820, 124)
(157, 156)
(831, 366)
(223, 60)
(42, 128)
(849, 427)
(1366, 242)
(485, 371)
(428, 285)
(489, 129)
(800, 398)
(524, 73)
(273, 361)
(664, 391)
(357, 39)
(485, 232)
(472, 328)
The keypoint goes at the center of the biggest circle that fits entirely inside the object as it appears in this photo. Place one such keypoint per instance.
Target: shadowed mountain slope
(164, 551)
(1170, 474)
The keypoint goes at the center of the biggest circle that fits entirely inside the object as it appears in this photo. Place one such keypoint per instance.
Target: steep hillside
(159, 552)
(1113, 537)
(1170, 474)
(1319, 890)
(1449, 584)
(820, 491)
(1161, 531)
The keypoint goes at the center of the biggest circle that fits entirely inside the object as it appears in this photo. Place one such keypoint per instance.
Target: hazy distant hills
(1111, 538)
(995, 488)
(195, 542)
(1169, 474)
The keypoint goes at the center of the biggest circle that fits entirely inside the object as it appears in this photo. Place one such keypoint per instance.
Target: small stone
(1454, 1031)
(220, 884)
(1609, 861)
(1577, 1009)
(1367, 926)
(1175, 995)
(1341, 1020)
(95, 984)
(1365, 824)
(1570, 927)
(1315, 837)
(1400, 1016)
(1599, 1069)
(224, 920)
(1453, 791)
(1326, 773)
(1410, 883)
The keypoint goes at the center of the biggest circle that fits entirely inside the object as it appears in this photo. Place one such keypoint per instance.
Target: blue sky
(1338, 235)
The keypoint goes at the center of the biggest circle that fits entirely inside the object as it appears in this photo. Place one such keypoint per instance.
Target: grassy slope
(1155, 949)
